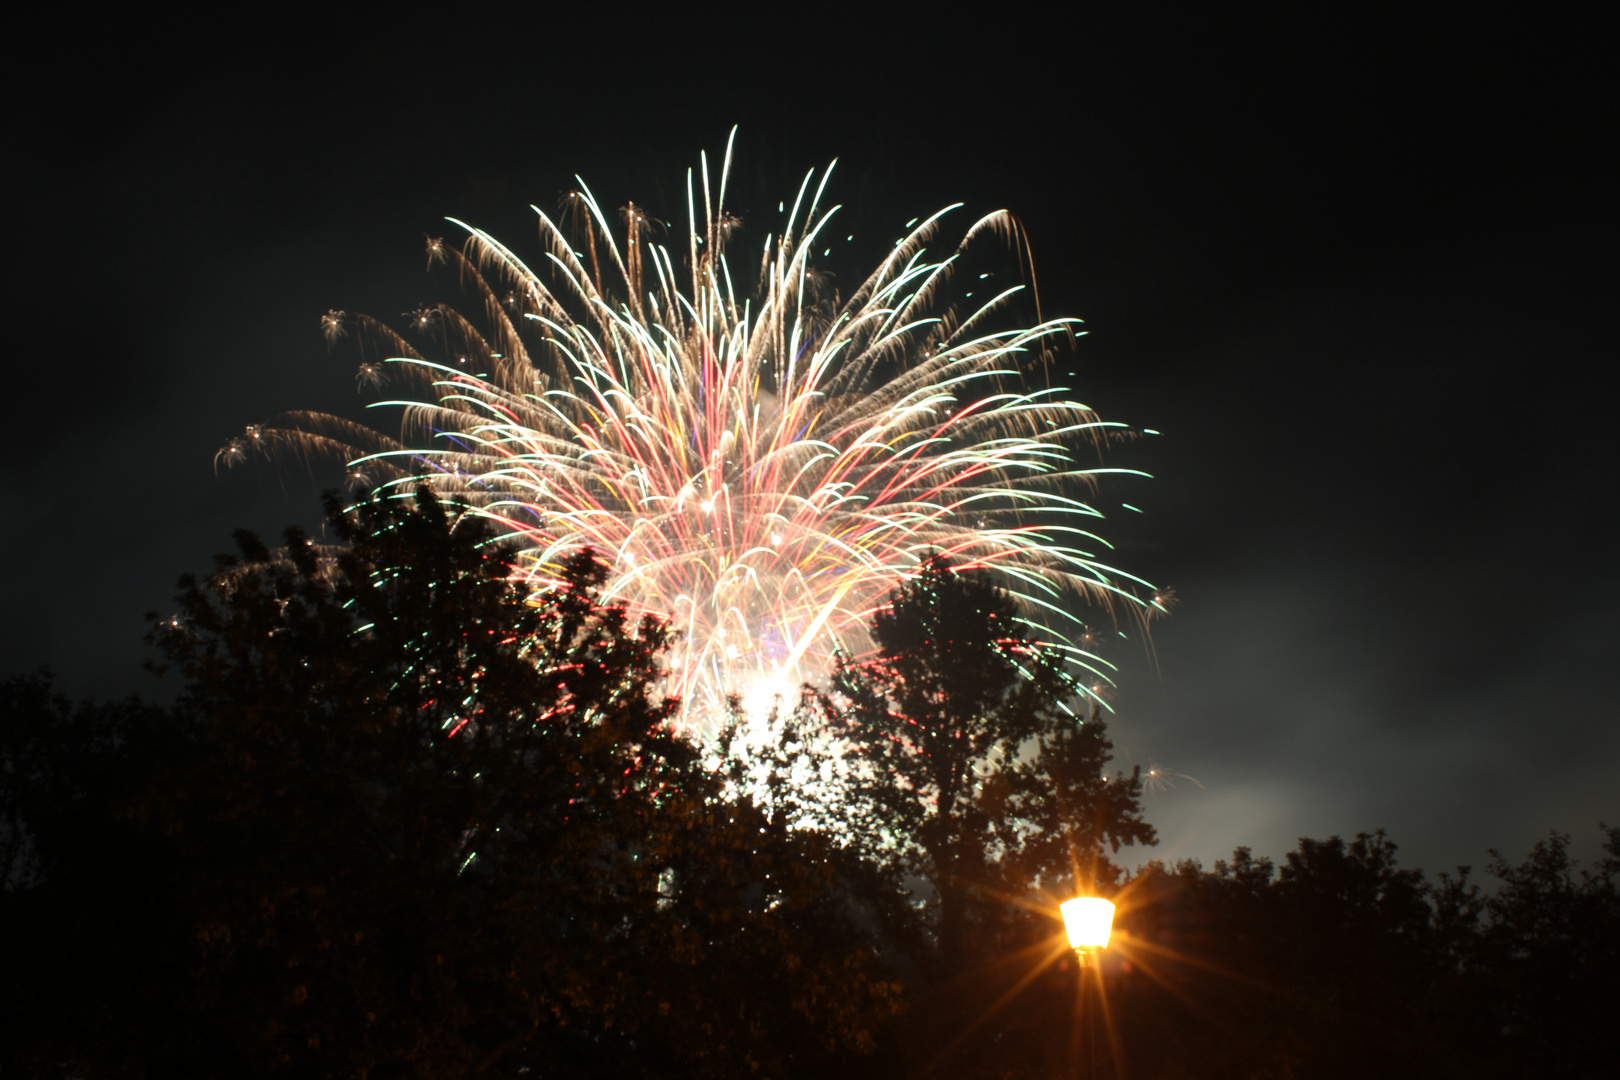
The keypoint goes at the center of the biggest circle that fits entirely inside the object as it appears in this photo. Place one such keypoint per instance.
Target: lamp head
(1089, 920)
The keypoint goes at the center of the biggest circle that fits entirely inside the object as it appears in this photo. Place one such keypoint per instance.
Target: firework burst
(759, 463)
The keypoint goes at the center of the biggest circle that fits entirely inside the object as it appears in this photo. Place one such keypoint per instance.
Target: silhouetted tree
(1330, 965)
(87, 928)
(432, 825)
(409, 819)
(1340, 964)
(975, 788)
(1546, 965)
(982, 778)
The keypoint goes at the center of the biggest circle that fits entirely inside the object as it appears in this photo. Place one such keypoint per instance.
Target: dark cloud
(1306, 706)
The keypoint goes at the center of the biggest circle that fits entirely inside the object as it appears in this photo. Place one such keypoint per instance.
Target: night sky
(1356, 270)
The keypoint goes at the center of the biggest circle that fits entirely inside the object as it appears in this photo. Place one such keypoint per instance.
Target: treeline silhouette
(1338, 963)
(407, 819)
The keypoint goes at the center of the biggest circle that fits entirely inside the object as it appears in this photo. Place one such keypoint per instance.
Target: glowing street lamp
(1089, 920)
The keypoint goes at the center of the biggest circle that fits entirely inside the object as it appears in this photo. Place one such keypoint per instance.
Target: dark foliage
(1339, 964)
(1545, 970)
(985, 797)
(408, 821)
(86, 920)
(422, 827)
(983, 782)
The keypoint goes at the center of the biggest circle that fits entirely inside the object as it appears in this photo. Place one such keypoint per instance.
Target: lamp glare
(1088, 920)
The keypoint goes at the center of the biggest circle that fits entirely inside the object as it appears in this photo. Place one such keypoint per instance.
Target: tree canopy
(984, 776)
(428, 824)
(409, 819)
(1337, 962)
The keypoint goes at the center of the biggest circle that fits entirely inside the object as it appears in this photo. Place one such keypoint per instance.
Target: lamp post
(1088, 920)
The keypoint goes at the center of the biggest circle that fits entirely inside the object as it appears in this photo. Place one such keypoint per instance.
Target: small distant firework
(761, 463)
(1156, 778)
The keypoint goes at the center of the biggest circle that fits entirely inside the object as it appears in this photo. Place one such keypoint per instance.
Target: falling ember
(761, 465)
